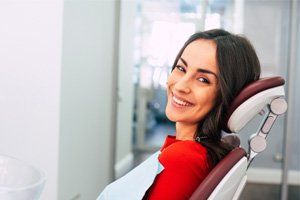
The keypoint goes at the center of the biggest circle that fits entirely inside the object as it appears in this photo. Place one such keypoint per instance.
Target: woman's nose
(183, 85)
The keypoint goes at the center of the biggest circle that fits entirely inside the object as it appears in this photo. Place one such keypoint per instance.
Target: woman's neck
(185, 131)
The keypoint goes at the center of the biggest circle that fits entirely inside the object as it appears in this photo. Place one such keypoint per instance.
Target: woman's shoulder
(173, 144)
(185, 152)
(185, 147)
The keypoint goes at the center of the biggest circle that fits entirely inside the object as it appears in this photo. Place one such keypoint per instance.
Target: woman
(209, 71)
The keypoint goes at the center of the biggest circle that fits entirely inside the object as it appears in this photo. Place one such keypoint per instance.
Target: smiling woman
(192, 87)
(209, 71)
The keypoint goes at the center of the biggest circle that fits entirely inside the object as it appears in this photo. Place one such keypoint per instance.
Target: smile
(181, 102)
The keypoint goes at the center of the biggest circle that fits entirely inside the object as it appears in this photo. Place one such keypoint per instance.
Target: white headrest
(251, 100)
(247, 110)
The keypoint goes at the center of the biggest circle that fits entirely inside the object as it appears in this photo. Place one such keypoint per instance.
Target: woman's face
(192, 85)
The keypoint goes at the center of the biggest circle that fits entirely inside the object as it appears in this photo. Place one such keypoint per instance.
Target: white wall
(86, 98)
(267, 32)
(124, 155)
(30, 64)
(56, 73)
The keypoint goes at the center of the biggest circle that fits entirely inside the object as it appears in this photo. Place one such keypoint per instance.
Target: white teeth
(180, 102)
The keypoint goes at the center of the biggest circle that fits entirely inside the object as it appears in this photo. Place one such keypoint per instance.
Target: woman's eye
(204, 80)
(180, 68)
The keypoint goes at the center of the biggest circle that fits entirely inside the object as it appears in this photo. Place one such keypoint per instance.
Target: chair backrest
(216, 175)
(228, 177)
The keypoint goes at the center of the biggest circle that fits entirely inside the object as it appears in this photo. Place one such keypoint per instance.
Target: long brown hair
(238, 66)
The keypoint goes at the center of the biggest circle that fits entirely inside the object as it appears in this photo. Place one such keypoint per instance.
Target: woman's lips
(180, 102)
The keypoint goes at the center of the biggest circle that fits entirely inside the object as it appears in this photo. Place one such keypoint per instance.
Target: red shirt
(185, 166)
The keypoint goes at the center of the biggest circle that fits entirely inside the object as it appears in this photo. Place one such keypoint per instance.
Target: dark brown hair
(238, 66)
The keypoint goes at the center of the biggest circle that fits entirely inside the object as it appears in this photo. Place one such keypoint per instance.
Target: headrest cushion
(250, 93)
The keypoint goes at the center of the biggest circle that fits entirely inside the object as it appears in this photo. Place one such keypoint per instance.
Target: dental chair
(227, 179)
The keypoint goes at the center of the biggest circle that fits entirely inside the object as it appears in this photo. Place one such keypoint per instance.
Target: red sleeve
(185, 166)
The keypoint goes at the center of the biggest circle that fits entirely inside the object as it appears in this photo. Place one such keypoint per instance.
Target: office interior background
(83, 85)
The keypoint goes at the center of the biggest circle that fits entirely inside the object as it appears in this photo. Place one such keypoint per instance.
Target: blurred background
(83, 85)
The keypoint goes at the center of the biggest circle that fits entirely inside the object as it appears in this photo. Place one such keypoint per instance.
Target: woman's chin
(172, 116)
(171, 119)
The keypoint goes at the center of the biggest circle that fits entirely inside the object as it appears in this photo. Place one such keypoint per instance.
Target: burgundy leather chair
(228, 178)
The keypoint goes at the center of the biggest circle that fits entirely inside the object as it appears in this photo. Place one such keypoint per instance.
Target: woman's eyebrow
(206, 71)
(184, 62)
(199, 69)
